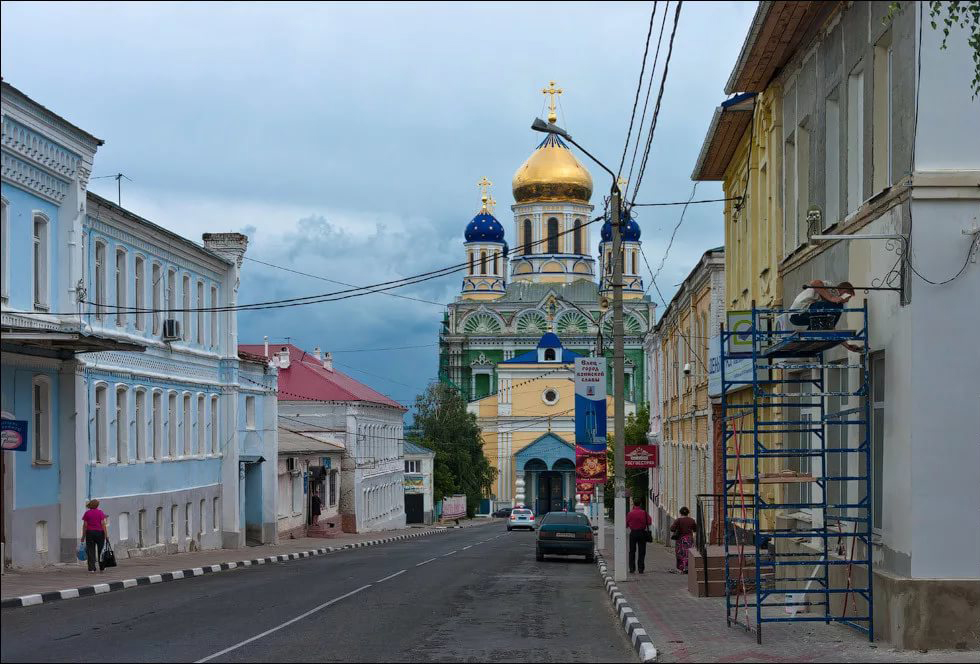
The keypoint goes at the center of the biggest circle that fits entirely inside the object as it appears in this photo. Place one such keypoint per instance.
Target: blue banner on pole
(13, 435)
(590, 401)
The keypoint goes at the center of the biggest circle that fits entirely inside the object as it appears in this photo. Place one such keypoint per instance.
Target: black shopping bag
(108, 558)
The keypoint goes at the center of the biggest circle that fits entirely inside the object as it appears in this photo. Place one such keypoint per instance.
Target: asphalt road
(474, 594)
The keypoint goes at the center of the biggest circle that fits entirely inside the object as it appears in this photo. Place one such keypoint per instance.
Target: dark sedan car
(565, 534)
(503, 513)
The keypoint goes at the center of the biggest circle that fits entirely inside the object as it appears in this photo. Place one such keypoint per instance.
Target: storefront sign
(735, 369)
(642, 456)
(414, 484)
(13, 435)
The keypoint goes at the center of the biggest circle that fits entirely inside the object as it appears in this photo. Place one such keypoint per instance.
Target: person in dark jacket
(315, 505)
(683, 528)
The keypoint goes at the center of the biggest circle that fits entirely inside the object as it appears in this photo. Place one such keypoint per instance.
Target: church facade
(549, 288)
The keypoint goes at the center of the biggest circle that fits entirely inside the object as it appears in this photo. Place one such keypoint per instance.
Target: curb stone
(100, 588)
(635, 632)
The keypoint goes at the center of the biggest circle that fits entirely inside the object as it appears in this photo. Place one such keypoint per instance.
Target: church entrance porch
(550, 490)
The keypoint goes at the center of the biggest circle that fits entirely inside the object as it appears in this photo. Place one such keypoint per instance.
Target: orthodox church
(509, 340)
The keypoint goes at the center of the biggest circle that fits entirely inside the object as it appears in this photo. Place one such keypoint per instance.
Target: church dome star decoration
(552, 172)
(484, 228)
(631, 231)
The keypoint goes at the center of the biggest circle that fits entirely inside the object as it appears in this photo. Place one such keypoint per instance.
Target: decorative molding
(31, 177)
(39, 149)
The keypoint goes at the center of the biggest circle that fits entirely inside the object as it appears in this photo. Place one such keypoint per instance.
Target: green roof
(412, 448)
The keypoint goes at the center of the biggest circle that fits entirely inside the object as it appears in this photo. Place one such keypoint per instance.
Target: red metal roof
(307, 380)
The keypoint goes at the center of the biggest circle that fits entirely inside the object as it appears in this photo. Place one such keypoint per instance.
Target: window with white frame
(187, 423)
(172, 425)
(121, 303)
(214, 317)
(172, 293)
(855, 140)
(201, 425)
(173, 523)
(100, 280)
(41, 419)
(186, 306)
(200, 529)
(122, 426)
(188, 525)
(215, 446)
(159, 526)
(215, 514)
(249, 412)
(832, 167)
(139, 268)
(156, 451)
(140, 447)
(101, 425)
(40, 262)
(789, 192)
(413, 466)
(802, 179)
(200, 313)
(4, 248)
(881, 118)
(157, 275)
(141, 528)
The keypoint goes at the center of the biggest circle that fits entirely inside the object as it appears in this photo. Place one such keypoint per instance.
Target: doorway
(414, 508)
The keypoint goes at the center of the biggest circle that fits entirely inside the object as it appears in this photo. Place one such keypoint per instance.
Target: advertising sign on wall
(590, 464)
(414, 484)
(642, 456)
(13, 435)
(454, 507)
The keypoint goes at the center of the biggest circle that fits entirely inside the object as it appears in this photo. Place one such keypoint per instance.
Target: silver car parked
(521, 518)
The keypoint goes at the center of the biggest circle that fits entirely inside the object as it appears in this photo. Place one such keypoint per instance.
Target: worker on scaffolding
(819, 305)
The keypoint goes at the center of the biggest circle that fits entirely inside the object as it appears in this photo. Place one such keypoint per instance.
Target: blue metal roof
(412, 448)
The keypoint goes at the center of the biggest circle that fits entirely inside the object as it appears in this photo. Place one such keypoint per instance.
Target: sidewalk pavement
(20, 583)
(685, 628)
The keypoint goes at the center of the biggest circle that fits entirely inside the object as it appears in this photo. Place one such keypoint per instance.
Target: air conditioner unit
(171, 329)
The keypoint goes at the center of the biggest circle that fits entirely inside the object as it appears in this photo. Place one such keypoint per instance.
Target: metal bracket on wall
(897, 243)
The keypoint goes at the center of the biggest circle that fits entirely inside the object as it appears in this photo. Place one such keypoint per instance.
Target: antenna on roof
(118, 178)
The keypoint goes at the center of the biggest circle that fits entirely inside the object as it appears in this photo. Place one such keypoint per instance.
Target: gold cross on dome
(484, 184)
(491, 205)
(553, 91)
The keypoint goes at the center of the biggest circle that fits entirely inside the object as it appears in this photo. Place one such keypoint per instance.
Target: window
(171, 293)
(157, 276)
(552, 236)
(121, 287)
(881, 146)
(470, 254)
(172, 425)
(802, 181)
(4, 247)
(832, 161)
(249, 412)
(41, 537)
(201, 425)
(156, 451)
(215, 514)
(140, 450)
(187, 423)
(214, 317)
(549, 355)
(855, 140)
(141, 528)
(634, 262)
(550, 396)
(140, 294)
(527, 237)
(187, 521)
(496, 256)
(100, 283)
(483, 262)
(577, 235)
(200, 313)
(123, 526)
(333, 487)
(201, 519)
(215, 447)
(159, 526)
(101, 443)
(40, 262)
(122, 426)
(789, 194)
(413, 466)
(173, 523)
(877, 435)
(41, 421)
(186, 332)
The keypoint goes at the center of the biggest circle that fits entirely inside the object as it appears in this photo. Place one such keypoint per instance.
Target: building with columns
(547, 284)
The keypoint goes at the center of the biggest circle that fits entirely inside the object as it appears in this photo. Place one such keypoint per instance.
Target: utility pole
(619, 412)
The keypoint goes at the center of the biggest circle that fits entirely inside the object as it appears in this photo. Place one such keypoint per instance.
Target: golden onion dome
(552, 173)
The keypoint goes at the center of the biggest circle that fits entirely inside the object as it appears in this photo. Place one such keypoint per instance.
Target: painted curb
(635, 632)
(111, 586)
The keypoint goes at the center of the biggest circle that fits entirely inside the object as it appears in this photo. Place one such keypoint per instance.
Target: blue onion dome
(484, 228)
(631, 231)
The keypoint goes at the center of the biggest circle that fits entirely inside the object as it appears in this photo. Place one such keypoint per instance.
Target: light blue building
(121, 355)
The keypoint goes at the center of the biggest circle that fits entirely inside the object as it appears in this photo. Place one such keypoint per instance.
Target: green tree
(635, 431)
(443, 425)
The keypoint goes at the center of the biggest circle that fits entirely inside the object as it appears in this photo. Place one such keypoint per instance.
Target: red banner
(590, 464)
(642, 456)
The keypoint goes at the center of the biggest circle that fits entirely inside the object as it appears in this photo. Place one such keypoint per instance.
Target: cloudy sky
(347, 140)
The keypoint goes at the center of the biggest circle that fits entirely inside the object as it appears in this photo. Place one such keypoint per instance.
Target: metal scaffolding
(797, 451)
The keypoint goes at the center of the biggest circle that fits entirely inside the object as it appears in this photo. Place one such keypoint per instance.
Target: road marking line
(424, 562)
(448, 554)
(285, 624)
(467, 547)
(390, 576)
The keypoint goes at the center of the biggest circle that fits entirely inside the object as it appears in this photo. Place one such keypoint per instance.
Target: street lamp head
(548, 128)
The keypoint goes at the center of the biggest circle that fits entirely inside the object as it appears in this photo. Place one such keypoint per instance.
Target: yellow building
(529, 426)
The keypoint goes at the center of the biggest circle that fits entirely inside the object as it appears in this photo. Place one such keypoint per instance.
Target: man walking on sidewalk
(637, 521)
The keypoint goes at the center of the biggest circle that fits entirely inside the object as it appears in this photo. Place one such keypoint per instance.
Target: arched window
(496, 255)
(42, 419)
(100, 283)
(578, 236)
(122, 426)
(549, 354)
(139, 450)
(139, 291)
(608, 262)
(527, 237)
(101, 444)
(634, 263)
(121, 277)
(40, 262)
(552, 236)
(483, 262)
(471, 262)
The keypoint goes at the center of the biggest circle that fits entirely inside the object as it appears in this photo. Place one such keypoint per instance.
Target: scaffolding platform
(798, 453)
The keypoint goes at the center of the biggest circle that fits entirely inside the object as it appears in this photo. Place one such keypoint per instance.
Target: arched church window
(471, 262)
(552, 236)
(527, 237)
(634, 263)
(578, 236)
(549, 354)
(483, 262)
(609, 262)
(495, 256)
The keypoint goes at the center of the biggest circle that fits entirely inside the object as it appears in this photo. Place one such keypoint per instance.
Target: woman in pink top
(95, 530)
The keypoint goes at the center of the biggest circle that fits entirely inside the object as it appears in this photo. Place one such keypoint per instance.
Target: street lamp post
(619, 412)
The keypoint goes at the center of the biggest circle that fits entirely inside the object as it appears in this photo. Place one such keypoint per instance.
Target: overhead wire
(646, 101)
(639, 88)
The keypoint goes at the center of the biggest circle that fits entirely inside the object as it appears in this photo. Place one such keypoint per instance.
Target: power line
(680, 220)
(639, 87)
(703, 200)
(646, 101)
